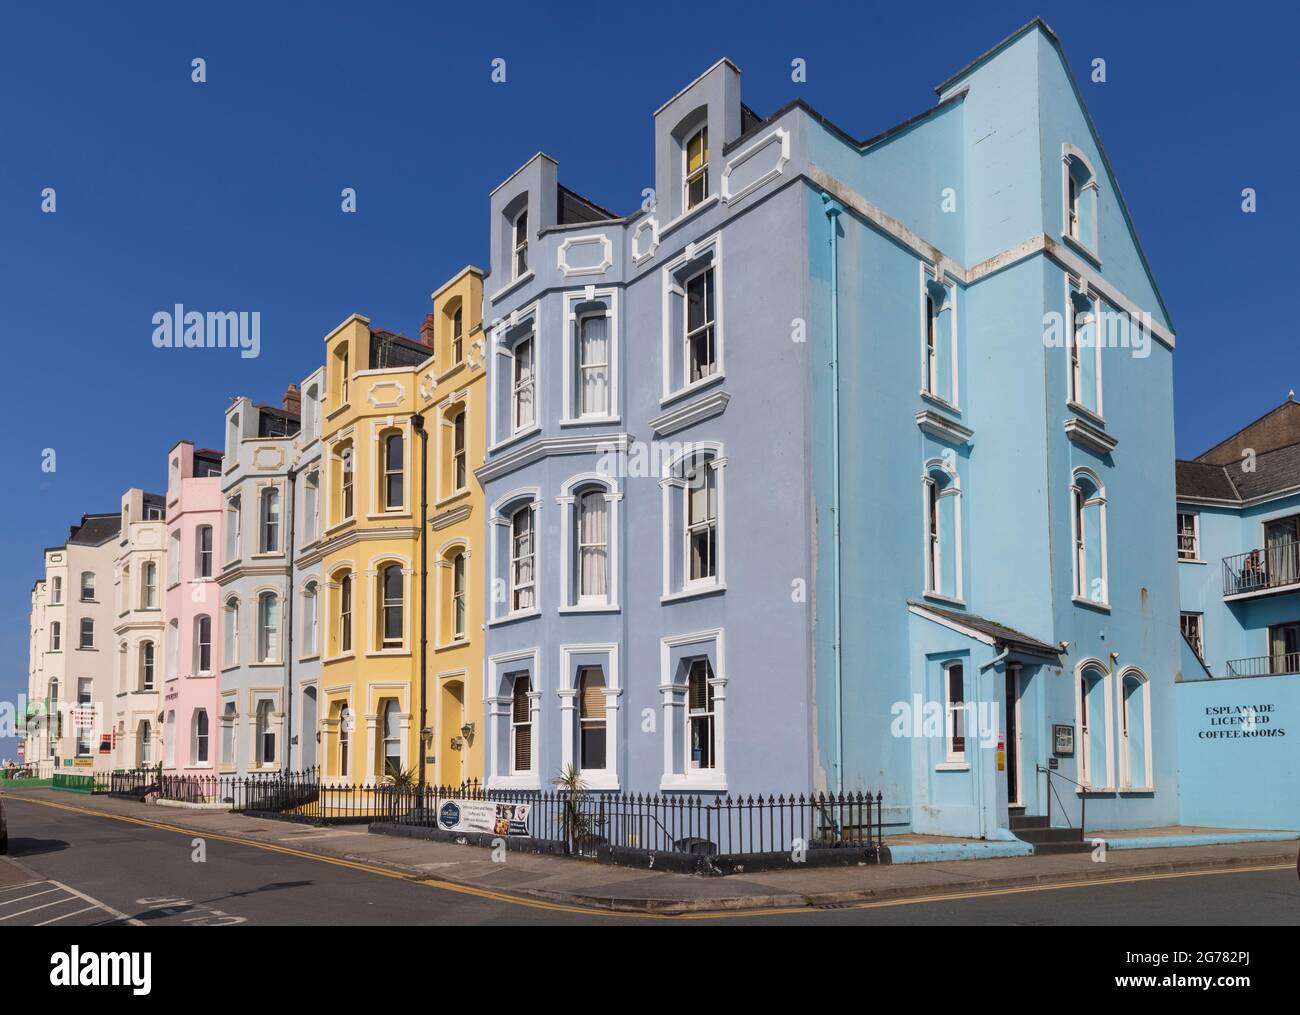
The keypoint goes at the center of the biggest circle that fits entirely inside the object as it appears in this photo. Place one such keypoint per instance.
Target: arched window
(390, 747)
(521, 726)
(954, 710)
(345, 737)
(269, 520)
(230, 632)
(593, 546)
(146, 666)
(345, 613)
(87, 586)
(203, 551)
(391, 606)
(519, 240)
(264, 735)
(939, 352)
(391, 484)
(459, 470)
(457, 335)
(345, 464)
(1080, 198)
(203, 644)
(1086, 342)
(591, 719)
(458, 591)
(522, 560)
(1088, 522)
(310, 619)
(1092, 706)
(942, 502)
(1135, 730)
(700, 736)
(149, 586)
(695, 173)
(145, 741)
(268, 627)
(200, 745)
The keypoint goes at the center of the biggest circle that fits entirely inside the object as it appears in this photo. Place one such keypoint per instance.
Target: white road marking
(24, 898)
(76, 912)
(56, 902)
(95, 902)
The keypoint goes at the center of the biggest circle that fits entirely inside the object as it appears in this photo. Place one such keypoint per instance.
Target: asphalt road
(96, 870)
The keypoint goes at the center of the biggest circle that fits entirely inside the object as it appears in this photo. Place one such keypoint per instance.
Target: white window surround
(519, 245)
(442, 590)
(567, 501)
(276, 628)
(310, 633)
(498, 701)
(333, 598)
(1086, 245)
(689, 176)
(379, 692)
(953, 490)
(270, 492)
(1125, 745)
(499, 569)
(928, 276)
(1081, 593)
(380, 430)
(233, 528)
(372, 600)
(675, 486)
(1195, 557)
(1075, 287)
(954, 760)
(230, 652)
(1083, 761)
(674, 695)
(675, 388)
(445, 446)
(571, 412)
(595, 779)
(1199, 632)
(523, 323)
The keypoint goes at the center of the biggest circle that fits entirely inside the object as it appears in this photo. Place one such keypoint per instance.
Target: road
(86, 869)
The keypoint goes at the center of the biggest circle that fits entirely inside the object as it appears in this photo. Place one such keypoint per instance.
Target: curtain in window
(592, 544)
(595, 365)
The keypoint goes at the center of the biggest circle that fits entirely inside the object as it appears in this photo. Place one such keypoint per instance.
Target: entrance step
(1050, 848)
(1033, 829)
(1019, 821)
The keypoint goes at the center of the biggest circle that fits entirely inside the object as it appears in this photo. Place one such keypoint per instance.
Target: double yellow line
(555, 907)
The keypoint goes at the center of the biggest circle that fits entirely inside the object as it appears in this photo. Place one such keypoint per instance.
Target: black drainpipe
(417, 424)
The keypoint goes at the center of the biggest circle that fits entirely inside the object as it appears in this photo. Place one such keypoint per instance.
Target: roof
(1272, 446)
(273, 422)
(389, 350)
(1276, 428)
(1001, 635)
(1204, 481)
(95, 530)
(571, 207)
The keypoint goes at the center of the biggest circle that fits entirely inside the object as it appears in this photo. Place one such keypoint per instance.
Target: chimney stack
(426, 331)
(292, 400)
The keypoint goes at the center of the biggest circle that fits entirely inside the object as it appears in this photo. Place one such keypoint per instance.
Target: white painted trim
(607, 254)
(1125, 747)
(779, 136)
(572, 356)
(710, 246)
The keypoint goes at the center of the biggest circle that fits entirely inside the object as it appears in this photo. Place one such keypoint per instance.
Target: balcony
(1275, 568)
(1263, 666)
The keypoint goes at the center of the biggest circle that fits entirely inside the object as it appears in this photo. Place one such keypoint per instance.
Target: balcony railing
(1272, 567)
(1263, 666)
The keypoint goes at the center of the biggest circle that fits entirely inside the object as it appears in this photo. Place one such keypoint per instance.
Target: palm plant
(576, 822)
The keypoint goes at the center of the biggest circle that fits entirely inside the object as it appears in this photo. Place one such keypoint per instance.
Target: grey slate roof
(96, 530)
(1202, 480)
(1275, 471)
(1003, 636)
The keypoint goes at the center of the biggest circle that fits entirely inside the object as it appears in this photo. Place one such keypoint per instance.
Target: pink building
(192, 639)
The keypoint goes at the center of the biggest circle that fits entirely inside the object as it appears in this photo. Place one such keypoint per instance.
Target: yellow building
(403, 432)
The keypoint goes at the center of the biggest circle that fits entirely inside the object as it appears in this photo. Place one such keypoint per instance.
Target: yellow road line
(517, 900)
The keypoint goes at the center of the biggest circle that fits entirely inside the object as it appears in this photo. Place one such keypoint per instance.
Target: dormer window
(696, 177)
(519, 234)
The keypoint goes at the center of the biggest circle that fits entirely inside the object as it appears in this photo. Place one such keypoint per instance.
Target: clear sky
(225, 195)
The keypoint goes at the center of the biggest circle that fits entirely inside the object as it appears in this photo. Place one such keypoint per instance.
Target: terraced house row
(844, 464)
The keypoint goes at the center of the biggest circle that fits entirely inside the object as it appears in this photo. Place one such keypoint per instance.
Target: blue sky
(225, 195)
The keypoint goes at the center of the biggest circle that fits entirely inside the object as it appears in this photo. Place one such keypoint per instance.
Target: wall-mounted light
(467, 731)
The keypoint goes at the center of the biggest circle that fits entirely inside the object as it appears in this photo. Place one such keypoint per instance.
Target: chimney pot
(292, 400)
(426, 331)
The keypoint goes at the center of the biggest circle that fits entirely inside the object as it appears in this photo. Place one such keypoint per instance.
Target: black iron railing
(1271, 567)
(1263, 666)
(1051, 792)
(136, 783)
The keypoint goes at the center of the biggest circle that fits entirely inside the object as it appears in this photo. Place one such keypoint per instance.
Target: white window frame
(382, 642)
(269, 516)
(605, 658)
(230, 632)
(200, 555)
(688, 175)
(929, 325)
(675, 696)
(1126, 784)
(518, 386)
(234, 526)
(676, 387)
(678, 542)
(87, 587)
(1200, 630)
(1078, 540)
(1069, 225)
(570, 551)
(518, 558)
(1195, 516)
(199, 669)
(311, 627)
(505, 337)
(267, 640)
(515, 770)
(934, 567)
(519, 244)
(952, 714)
(1083, 747)
(572, 414)
(1074, 362)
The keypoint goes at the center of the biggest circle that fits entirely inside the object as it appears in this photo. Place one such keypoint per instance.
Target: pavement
(562, 881)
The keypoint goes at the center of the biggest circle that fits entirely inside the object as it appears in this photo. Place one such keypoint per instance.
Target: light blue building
(269, 613)
(1239, 581)
(839, 464)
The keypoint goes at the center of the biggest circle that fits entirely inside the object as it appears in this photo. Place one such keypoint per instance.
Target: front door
(1014, 798)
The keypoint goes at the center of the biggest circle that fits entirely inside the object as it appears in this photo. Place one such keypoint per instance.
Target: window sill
(264, 664)
(447, 646)
(232, 666)
(941, 403)
(268, 554)
(1079, 247)
(509, 617)
(1102, 607)
(600, 780)
(383, 516)
(509, 287)
(450, 372)
(342, 657)
(570, 421)
(1137, 789)
(451, 498)
(693, 592)
(952, 766)
(1089, 414)
(677, 394)
(517, 436)
(1079, 790)
(514, 782)
(591, 608)
(709, 784)
(1192, 560)
(939, 597)
(309, 659)
(387, 653)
